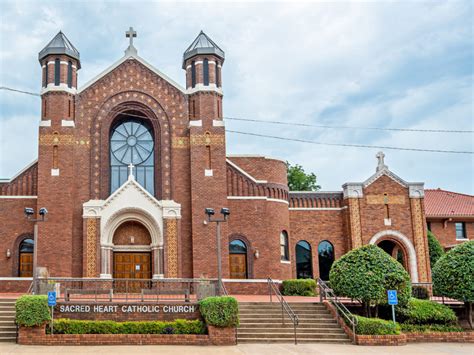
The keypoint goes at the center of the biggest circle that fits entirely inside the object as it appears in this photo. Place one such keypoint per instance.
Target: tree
(435, 249)
(366, 273)
(453, 276)
(298, 180)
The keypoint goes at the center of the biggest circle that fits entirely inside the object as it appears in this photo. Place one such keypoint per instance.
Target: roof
(60, 44)
(202, 45)
(442, 203)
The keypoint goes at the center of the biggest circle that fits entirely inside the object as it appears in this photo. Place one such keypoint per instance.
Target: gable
(385, 184)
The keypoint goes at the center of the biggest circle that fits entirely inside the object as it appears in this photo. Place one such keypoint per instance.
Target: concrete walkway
(245, 349)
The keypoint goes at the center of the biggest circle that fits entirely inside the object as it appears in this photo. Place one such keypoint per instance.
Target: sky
(397, 64)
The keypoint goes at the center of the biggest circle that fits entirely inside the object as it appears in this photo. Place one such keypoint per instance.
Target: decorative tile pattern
(172, 246)
(356, 230)
(382, 199)
(198, 140)
(91, 247)
(419, 239)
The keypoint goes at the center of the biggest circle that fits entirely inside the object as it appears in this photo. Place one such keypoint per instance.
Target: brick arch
(15, 252)
(143, 105)
(247, 242)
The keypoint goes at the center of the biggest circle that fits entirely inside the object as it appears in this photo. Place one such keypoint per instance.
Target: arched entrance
(325, 259)
(395, 250)
(238, 259)
(132, 252)
(304, 260)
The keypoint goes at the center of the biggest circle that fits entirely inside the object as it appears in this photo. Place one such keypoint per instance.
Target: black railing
(285, 307)
(326, 293)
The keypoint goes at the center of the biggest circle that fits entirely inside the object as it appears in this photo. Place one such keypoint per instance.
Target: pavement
(245, 349)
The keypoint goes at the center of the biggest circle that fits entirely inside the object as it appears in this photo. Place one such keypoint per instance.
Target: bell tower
(59, 62)
(203, 61)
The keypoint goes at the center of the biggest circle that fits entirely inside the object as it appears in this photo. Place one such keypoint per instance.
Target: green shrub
(366, 273)
(32, 310)
(299, 287)
(426, 328)
(220, 311)
(453, 275)
(420, 292)
(179, 326)
(376, 326)
(435, 249)
(425, 312)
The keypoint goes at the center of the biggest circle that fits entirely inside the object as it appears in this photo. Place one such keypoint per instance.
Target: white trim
(68, 123)
(208, 172)
(123, 60)
(60, 87)
(412, 262)
(317, 192)
(251, 280)
(195, 123)
(198, 62)
(285, 261)
(131, 247)
(13, 197)
(202, 87)
(188, 67)
(317, 208)
(21, 171)
(211, 62)
(54, 172)
(16, 278)
(45, 123)
(387, 172)
(257, 198)
(242, 171)
(218, 123)
(254, 156)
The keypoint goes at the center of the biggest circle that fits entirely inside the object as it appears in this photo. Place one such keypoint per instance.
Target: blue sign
(392, 297)
(51, 298)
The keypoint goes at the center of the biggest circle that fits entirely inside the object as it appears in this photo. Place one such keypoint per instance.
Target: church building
(129, 161)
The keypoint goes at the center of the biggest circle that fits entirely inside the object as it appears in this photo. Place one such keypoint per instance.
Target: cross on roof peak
(381, 163)
(131, 34)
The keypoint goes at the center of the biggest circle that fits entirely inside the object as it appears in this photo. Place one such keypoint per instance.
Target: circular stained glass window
(131, 142)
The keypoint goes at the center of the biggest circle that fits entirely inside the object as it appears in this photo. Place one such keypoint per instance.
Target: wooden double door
(238, 266)
(26, 265)
(132, 266)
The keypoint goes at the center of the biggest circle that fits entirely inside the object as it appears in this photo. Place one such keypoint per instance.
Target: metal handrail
(325, 292)
(224, 290)
(285, 307)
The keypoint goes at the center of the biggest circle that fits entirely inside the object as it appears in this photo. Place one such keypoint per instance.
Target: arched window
(218, 79)
(193, 74)
(325, 259)
(304, 260)
(205, 72)
(57, 71)
(69, 74)
(238, 259)
(25, 263)
(131, 142)
(284, 252)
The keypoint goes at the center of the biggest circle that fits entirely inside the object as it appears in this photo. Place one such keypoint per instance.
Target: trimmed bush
(179, 326)
(299, 287)
(420, 292)
(425, 312)
(435, 249)
(376, 326)
(366, 273)
(220, 311)
(453, 275)
(32, 311)
(427, 328)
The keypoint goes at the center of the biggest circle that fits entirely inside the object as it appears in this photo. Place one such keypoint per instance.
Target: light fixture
(8, 253)
(256, 253)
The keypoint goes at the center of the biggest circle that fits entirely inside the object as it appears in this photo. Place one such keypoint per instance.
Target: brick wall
(445, 232)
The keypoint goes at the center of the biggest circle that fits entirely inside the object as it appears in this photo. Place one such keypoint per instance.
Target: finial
(130, 172)
(131, 50)
(381, 164)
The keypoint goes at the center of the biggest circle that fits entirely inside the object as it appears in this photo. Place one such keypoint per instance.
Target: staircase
(261, 323)
(7, 320)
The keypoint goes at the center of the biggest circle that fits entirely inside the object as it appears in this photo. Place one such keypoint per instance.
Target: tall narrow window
(45, 106)
(460, 230)
(69, 74)
(131, 142)
(218, 108)
(55, 157)
(57, 71)
(284, 252)
(325, 259)
(194, 108)
(205, 72)
(45, 81)
(218, 79)
(209, 160)
(304, 260)
(193, 74)
(69, 108)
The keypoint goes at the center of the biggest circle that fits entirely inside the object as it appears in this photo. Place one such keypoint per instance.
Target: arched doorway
(238, 259)
(25, 255)
(132, 251)
(325, 259)
(395, 250)
(304, 260)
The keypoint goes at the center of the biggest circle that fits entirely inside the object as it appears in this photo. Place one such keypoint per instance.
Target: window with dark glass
(69, 74)
(57, 71)
(284, 252)
(193, 74)
(428, 225)
(25, 262)
(131, 142)
(325, 259)
(218, 79)
(304, 260)
(238, 259)
(45, 81)
(460, 230)
(206, 72)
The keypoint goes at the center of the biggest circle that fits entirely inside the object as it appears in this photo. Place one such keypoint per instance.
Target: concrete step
(278, 316)
(288, 324)
(278, 321)
(280, 335)
(291, 341)
(10, 318)
(278, 313)
(7, 339)
(290, 330)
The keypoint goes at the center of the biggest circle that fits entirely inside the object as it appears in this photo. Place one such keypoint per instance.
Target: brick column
(171, 248)
(420, 238)
(353, 193)
(91, 247)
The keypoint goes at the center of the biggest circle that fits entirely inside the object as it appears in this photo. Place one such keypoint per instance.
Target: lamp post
(225, 212)
(29, 212)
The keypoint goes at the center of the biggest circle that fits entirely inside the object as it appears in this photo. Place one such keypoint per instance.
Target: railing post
(320, 293)
(294, 328)
(282, 315)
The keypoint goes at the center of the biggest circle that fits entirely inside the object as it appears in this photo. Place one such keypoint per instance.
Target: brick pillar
(420, 239)
(172, 269)
(91, 247)
(353, 193)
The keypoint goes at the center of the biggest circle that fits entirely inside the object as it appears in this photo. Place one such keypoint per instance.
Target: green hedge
(425, 312)
(420, 292)
(299, 287)
(435, 249)
(426, 328)
(32, 310)
(220, 311)
(376, 326)
(179, 326)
